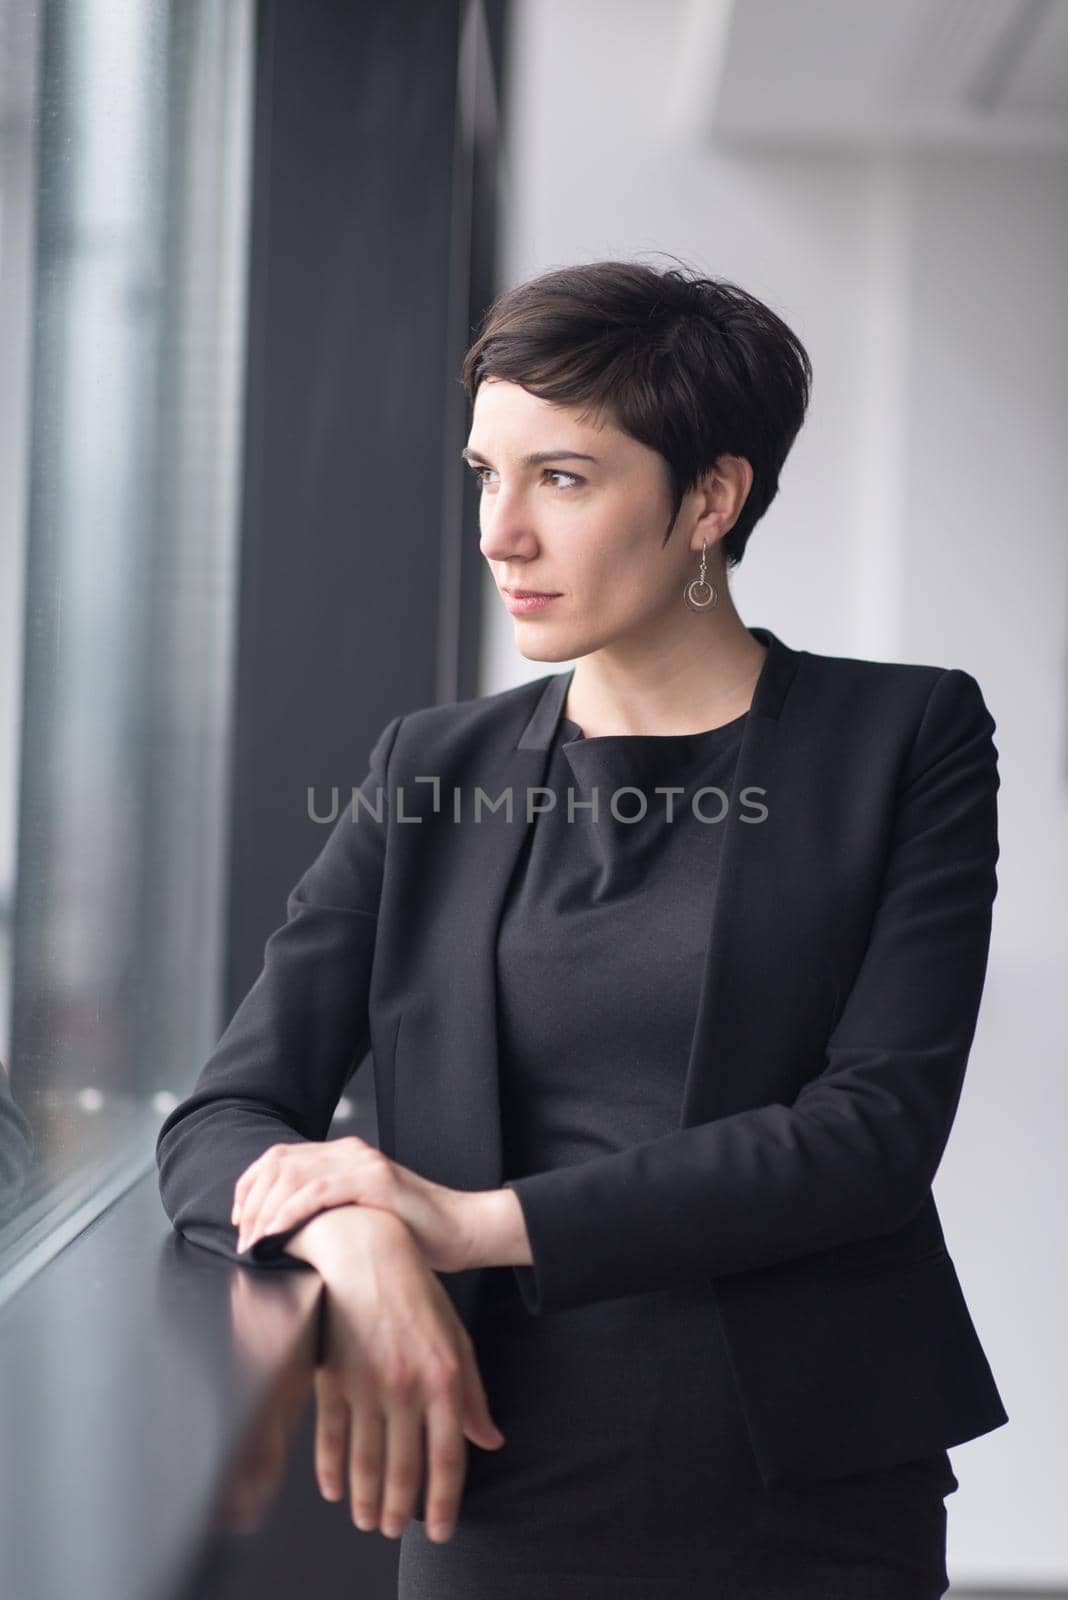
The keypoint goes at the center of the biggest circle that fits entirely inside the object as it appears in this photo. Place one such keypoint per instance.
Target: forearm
(488, 1224)
(491, 1219)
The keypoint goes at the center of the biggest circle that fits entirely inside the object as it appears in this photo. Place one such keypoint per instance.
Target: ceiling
(877, 72)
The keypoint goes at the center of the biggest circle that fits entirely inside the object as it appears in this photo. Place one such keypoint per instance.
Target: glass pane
(123, 239)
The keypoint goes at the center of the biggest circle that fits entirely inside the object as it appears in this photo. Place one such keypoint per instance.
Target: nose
(506, 528)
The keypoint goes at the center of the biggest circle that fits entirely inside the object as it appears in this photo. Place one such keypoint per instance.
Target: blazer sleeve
(856, 1152)
(278, 1071)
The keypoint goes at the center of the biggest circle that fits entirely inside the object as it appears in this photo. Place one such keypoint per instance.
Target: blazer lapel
(439, 1097)
(453, 1133)
(725, 1073)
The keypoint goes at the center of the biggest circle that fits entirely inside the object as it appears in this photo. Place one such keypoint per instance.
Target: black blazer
(847, 953)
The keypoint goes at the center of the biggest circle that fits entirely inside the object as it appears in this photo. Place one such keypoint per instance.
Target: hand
(291, 1182)
(397, 1362)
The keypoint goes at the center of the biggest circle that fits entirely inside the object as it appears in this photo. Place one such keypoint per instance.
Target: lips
(528, 603)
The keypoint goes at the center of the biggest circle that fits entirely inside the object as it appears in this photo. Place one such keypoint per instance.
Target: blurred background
(244, 245)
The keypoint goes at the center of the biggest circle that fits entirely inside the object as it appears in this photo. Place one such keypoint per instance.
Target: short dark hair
(693, 367)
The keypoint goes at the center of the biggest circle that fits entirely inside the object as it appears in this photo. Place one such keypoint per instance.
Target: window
(125, 136)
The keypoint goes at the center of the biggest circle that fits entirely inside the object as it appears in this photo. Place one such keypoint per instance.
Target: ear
(724, 490)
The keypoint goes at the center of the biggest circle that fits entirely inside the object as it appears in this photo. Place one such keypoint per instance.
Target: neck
(701, 681)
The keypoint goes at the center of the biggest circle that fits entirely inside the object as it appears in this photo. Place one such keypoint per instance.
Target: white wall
(920, 518)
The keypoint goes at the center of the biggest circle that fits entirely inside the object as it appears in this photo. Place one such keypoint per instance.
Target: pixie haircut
(692, 367)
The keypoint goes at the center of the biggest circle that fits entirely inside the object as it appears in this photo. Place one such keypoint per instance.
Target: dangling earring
(698, 594)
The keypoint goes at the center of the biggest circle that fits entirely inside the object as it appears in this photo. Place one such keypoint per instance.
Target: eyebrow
(534, 460)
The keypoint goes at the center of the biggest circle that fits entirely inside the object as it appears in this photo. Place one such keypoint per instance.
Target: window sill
(135, 1367)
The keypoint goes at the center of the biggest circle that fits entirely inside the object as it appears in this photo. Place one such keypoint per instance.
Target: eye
(550, 472)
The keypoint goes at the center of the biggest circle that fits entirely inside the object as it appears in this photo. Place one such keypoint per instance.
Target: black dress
(627, 1470)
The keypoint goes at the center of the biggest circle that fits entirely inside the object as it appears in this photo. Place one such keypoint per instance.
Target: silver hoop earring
(699, 594)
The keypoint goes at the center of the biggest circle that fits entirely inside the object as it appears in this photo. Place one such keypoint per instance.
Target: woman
(669, 1027)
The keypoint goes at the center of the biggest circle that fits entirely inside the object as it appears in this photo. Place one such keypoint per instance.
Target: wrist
(500, 1230)
(328, 1237)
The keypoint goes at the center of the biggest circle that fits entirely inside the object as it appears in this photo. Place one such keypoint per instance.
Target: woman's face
(588, 530)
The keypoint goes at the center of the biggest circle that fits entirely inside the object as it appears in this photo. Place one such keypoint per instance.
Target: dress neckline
(571, 733)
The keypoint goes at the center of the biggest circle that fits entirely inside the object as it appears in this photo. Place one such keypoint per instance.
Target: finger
(367, 1455)
(479, 1425)
(404, 1464)
(254, 1180)
(268, 1195)
(246, 1177)
(446, 1465)
(241, 1189)
(261, 1173)
(331, 1443)
(249, 1177)
(296, 1204)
